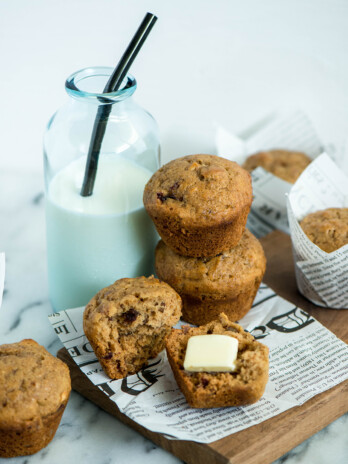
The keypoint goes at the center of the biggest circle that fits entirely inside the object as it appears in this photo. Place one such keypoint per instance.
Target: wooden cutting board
(275, 436)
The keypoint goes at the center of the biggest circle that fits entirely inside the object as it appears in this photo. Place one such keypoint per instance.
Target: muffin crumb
(127, 323)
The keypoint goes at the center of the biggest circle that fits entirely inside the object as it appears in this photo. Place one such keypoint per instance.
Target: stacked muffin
(199, 205)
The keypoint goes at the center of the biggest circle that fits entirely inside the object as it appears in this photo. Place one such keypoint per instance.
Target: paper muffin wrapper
(285, 129)
(321, 277)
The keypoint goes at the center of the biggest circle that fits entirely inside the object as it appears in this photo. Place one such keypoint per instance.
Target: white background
(221, 61)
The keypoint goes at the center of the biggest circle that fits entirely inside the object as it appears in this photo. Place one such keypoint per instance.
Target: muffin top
(227, 272)
(288, 165)
(327, 228)
(199, 190)
(33, 383)
(119, 305)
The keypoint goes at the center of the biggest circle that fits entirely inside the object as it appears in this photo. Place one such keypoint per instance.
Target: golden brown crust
(127, 323)
(288, 165)
(214, 390)
(35, 388)
(201, 310)
(199, 204)
(31, 436)
(208, 286)
(327, 228)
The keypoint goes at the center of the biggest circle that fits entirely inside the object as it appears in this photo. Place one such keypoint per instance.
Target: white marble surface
(226, 61)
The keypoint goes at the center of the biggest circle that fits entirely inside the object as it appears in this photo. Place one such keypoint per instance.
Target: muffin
(208, 286)
(34, 390)
(288, 165)
(245, 385)
(127, 323)
(199, 204)
(327, 228)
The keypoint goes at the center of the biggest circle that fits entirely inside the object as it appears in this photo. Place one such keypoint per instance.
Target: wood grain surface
(265, 442)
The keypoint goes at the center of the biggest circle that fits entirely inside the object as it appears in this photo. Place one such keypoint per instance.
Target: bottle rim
(74, 81)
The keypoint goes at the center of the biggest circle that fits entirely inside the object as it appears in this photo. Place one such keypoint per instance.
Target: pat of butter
(211, 353)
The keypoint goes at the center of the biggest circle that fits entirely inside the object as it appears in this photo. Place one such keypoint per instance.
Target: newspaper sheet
(287, 129)
(321, 277)
(305, 359)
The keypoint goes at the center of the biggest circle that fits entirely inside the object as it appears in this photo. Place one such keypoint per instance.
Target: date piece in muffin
(199, 204)
(327, 228)
(34, 390)
(127, 323)
(208, 286)
(245, 385)
(288, 165)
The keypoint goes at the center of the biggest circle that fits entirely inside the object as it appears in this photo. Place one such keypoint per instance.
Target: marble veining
(87, 434)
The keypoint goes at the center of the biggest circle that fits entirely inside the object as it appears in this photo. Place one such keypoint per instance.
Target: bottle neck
(87, 86)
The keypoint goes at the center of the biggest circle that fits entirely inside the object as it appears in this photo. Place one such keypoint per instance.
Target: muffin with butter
(216, 372)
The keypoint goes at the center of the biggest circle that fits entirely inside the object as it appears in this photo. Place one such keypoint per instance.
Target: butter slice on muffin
(245, 384)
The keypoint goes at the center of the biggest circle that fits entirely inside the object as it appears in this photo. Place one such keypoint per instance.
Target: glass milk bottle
(93, 241)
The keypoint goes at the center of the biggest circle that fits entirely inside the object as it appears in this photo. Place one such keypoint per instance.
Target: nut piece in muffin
(328, 228)
(34, 390)
(209, 286)
(127, 323)
(245, 385)
(288, 165)
(199, 204)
